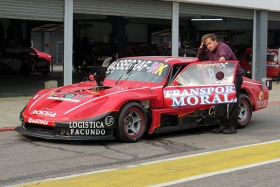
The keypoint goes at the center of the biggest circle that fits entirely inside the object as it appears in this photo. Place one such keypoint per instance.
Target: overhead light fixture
(207, 19)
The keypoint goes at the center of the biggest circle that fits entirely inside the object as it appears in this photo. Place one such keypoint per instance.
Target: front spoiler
(48, 136)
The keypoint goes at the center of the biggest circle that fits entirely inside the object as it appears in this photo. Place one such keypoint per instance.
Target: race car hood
(80, 101)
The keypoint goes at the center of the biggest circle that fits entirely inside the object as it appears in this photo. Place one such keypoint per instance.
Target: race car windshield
(138, 70)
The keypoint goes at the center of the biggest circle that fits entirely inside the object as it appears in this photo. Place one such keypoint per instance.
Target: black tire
(24, 69)
(48, 71)
(45, 72)
(132, 123)
(245, 111)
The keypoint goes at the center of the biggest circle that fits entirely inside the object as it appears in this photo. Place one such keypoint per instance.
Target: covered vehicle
(138, 95)
(25, 60)
(272, 62)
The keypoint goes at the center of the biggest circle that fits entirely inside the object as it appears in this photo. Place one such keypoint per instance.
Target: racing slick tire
(245, 111)
(132, 123)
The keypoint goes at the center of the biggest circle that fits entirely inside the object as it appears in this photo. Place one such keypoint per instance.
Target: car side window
(271, 57)
(207, 73)
(175, 71)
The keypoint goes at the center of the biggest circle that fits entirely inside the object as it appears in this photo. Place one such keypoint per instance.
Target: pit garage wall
(213, 7)
(50, 10)
(131, 8)
(271, 5)
(101, 30)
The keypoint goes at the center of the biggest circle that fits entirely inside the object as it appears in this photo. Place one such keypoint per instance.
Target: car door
(201, 85)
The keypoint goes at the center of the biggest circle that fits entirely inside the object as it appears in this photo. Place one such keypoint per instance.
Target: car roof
(168, 59)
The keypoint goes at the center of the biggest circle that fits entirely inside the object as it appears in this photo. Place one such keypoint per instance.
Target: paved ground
(12, 104)
(19, 85)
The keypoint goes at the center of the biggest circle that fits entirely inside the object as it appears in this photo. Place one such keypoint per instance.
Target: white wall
(37, 39)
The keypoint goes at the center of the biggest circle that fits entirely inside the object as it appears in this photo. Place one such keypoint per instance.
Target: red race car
(25, 60)
(138, 95)
(272, 63)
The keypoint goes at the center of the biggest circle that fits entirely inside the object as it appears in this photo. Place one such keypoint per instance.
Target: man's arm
(224, 51)
(202, 53)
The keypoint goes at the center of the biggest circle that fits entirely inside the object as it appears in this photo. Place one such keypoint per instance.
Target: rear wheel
(132, 122)
(245, 111)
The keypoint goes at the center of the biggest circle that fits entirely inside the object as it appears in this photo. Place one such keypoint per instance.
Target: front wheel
(245, 111)
(132, 122)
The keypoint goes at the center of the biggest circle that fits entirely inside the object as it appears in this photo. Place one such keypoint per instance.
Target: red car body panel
(43, 55)
(271, 70)
(51, 109)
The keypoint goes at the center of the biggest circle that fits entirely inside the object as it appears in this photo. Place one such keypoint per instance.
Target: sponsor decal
(211, 111)
(71, 97)
(38, 121)
(201, 96)
(87, 128)
(87, 132)
(44, 113)
(212, 65)
(109, 121)
(94, 93)
(140, 65)
(261, 102)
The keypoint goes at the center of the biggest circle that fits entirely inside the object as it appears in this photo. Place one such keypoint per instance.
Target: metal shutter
(49, 10)
(131, 8)
(274, 16)
(219, 11)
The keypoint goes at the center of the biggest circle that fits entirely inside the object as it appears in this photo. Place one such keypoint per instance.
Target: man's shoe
(230, 130)
(220, 129)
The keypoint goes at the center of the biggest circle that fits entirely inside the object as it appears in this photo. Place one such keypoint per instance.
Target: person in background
(87, 50)
(229, 43)
(278, 78)
(78, 56)
(212, 49)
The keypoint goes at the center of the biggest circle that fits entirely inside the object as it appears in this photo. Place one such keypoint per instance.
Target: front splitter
(48, 136)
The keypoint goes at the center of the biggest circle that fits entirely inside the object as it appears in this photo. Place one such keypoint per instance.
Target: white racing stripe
(252, 83)
(100, 98)
(42, 97)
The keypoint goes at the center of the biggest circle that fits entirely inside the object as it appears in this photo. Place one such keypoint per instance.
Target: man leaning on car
(212, 49)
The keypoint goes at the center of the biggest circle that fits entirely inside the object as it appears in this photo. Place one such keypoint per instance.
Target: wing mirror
(99, 74)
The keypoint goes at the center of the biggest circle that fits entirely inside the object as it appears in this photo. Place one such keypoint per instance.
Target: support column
(68, 42)
(259, 44)
(175, 29)
(46, 40)
(118, 32)
(14, 31)
(28, 34)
